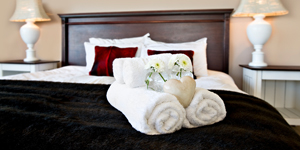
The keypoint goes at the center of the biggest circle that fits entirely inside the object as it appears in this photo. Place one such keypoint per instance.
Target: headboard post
(64, 60)
(226, 43)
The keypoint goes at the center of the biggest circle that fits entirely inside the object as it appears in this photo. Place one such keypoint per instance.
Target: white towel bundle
(148, 111)
(152, 112)
(206, 108)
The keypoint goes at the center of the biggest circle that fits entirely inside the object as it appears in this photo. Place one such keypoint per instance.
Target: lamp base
(258, 31)
(30, 34)
(30, 56)
(257, 59)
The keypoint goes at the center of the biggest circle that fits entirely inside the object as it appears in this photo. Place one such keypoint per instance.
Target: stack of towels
(153, 112)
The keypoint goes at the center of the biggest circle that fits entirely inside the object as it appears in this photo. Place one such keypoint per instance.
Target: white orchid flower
(156, 64)
(179, 63)
(185, 62)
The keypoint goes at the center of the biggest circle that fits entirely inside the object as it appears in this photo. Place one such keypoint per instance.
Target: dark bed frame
(165, 26)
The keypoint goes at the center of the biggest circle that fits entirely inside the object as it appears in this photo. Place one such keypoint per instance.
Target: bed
(67, 109)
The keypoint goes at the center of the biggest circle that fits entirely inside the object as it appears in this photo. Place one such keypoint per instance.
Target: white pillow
(89, 55)
(90, 52)
(133, 42)
(199, 48)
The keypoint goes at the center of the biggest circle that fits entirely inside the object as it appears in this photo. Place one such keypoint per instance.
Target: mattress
(77, 74)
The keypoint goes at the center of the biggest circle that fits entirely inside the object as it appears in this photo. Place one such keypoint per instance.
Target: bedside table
(278, 85)
(19, 66)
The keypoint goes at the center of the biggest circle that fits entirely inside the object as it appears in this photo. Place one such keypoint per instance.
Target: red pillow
(189, 53)
(104, 57)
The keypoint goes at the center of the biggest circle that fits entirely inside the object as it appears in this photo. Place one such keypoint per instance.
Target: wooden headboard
(166, 26)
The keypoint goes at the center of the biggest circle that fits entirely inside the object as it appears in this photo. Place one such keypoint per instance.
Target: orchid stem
(162, 77)
(150, 75)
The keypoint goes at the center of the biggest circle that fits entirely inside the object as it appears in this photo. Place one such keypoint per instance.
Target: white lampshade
(259, 30)
(249, 8)
(29, 11)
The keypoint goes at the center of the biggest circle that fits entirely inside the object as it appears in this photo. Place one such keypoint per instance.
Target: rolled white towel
(134, 72)
(148, 111)
(206, 108)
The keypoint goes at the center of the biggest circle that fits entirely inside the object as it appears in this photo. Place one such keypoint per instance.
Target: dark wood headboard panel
(166, 26)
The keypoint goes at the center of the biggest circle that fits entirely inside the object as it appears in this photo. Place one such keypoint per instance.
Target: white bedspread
(69, 74)
(217, 80)
(77, 74)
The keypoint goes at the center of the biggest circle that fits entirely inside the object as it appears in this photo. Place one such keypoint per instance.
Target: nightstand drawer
(281, 75)
(15, 67)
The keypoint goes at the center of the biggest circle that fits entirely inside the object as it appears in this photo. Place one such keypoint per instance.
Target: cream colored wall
(281, 49)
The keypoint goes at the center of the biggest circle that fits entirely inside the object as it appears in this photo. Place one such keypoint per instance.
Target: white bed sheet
(77, 74)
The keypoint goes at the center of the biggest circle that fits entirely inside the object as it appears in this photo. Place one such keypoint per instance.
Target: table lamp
(259, 30)
(29, 11)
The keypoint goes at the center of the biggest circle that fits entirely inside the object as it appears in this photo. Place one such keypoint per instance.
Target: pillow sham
(104, 57)
(199, 48)
(130, 42)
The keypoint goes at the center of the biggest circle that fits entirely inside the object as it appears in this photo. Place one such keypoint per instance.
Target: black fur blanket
(47, 115)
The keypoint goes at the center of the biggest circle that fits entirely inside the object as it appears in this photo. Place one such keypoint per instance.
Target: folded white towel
(148, 111)
(118, 69)
(206, 108)
(134, 72)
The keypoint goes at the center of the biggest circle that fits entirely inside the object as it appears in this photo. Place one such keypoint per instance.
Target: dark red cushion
(189, 53)
(104, 57)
